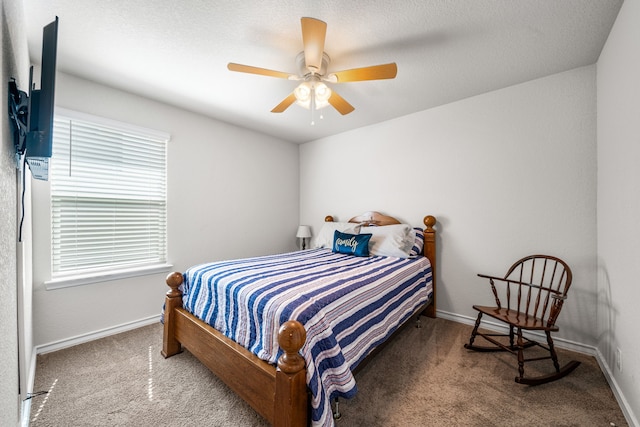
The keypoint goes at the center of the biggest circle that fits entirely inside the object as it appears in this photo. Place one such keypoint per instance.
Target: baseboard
(632, 420)
(560, 343)
(80, 339)
(25, 406)
(25, 413)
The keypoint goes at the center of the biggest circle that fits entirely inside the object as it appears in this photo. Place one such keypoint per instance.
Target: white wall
(508, 173)
(14, 63)
(231, 193)
(619, 201)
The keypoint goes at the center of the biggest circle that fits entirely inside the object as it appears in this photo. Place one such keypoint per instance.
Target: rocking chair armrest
(554, 293)
(502, 279)
(486, 276)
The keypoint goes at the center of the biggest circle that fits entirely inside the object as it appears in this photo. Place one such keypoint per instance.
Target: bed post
(430, 252)
(173, 300)
(291, 400)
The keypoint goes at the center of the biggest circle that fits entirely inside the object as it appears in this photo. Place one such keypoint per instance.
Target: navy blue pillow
(351, 244)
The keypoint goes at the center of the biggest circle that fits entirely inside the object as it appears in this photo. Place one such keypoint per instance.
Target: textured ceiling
(446, 50)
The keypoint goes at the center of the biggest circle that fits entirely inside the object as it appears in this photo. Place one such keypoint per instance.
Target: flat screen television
(40, 135)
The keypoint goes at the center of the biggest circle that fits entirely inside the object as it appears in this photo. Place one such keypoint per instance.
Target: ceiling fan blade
(375, 72)
(340, 104)
(286, 103)
(314, 32)
(257, 70)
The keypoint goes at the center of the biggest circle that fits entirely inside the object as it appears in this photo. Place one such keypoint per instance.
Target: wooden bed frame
(279, 393)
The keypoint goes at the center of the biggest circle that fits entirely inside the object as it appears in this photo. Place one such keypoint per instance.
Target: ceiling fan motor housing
(304, 71)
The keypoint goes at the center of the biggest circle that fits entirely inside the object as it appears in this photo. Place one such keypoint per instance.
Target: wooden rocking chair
(534, 290)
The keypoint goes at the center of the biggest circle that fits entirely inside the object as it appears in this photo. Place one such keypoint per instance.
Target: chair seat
(515, 318)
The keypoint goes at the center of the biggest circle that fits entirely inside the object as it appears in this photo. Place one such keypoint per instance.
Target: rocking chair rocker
(534, 290)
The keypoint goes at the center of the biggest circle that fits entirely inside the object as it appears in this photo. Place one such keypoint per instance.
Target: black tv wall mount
(18, 117)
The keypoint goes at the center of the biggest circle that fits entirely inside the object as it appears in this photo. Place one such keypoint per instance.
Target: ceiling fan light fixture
(303, 92)
(311, 90)
(323, 93)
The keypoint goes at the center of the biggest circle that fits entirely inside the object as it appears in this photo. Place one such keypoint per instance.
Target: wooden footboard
(278, 393)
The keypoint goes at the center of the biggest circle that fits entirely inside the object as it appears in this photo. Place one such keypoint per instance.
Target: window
(108, 197)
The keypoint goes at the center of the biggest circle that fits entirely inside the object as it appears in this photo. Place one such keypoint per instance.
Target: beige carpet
(423, 378)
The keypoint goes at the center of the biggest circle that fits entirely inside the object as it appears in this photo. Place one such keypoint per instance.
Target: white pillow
(324, 239)
(390, 240)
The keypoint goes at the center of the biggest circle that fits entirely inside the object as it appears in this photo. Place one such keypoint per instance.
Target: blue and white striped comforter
(348, 305)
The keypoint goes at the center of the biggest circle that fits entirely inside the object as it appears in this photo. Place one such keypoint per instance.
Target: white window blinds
(108, 197)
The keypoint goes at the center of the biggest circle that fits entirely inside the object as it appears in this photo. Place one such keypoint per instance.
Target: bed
(263, 352)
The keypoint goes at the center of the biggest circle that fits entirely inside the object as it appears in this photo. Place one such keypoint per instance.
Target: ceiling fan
(313, 62)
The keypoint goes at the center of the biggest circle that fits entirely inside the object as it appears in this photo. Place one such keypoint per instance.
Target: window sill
(105, 276)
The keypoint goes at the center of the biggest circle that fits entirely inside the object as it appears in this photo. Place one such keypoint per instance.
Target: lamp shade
(304, 231)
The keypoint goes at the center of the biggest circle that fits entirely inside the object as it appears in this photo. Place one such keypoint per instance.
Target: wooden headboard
(373, 218)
